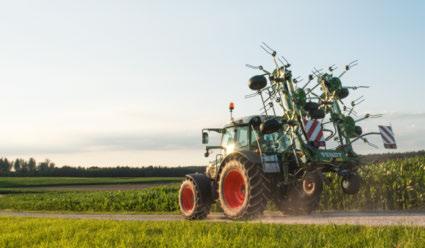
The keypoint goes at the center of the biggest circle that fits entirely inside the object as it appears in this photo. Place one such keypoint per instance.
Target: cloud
(398, 115)
(409, 129)
(134, 141)
(28, 149)
(151, 141)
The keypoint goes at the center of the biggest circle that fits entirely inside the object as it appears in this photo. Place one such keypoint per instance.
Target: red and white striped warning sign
(314, 131)
(388, 137)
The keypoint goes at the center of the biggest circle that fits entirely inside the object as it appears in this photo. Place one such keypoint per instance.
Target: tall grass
(33, 232)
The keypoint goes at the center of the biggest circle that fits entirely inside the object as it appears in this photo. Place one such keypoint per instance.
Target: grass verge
(35, 232)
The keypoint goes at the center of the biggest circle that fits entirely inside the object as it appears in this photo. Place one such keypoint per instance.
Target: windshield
(235, 138)
(238, 138)
(228, 137)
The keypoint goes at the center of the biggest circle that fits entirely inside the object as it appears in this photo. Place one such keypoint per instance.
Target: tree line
(21, 167)
(46, 168)
(383, 157)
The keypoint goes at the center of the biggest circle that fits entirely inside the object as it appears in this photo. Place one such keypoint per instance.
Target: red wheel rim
(234, 189)
(187, 198)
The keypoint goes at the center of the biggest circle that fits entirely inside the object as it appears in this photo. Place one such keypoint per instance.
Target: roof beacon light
(231, 108)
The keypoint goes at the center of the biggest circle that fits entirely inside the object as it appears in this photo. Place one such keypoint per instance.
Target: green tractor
(279, 155)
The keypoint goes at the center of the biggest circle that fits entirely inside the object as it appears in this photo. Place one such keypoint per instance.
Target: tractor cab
(249, 135)
(246, 134)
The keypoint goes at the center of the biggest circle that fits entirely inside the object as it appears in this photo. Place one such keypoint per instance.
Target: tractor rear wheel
(303, 197)
(241, 189)
(192, 201)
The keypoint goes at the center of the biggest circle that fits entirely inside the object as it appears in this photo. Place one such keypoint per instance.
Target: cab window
(254, 142)
(236, 138)
(242, 137)
(228, 136)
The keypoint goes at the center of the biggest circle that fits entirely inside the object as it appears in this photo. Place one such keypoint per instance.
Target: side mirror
(206, 154)
(204, 138)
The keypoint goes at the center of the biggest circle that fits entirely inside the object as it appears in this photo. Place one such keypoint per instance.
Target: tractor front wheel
(193, 201)
(241, 189)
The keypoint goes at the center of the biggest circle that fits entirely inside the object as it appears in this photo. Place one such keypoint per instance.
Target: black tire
(194, 204)
(241, 189)
(351, 184)
(303, 197)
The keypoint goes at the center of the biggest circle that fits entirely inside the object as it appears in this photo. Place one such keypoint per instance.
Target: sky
(132, 83)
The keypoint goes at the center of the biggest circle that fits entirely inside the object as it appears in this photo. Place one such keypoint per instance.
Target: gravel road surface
(338, 218)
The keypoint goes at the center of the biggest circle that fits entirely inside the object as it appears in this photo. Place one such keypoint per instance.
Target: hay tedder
(281, 154)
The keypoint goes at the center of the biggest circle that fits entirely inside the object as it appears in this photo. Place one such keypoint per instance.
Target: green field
(30, 232)
(20, 182)
(391, 185)
(153, 200)
(397, 184)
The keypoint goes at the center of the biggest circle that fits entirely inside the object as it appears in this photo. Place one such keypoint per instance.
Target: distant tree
(32, 164)
(4, 167)
(24, 166)
(17, 165)
(43, 166)
(9, 164)
(48, 168)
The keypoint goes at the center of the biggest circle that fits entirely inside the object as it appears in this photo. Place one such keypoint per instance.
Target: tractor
(281, 154)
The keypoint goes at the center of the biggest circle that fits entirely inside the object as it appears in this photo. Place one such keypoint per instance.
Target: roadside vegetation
(35, 232)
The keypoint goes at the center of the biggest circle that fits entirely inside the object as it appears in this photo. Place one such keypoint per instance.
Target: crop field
(397, 184)
(19, 182)
(153, 200)
(29, 232)
(391, 185)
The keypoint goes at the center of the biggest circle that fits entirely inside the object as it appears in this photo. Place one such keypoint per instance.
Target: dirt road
(338, 218)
